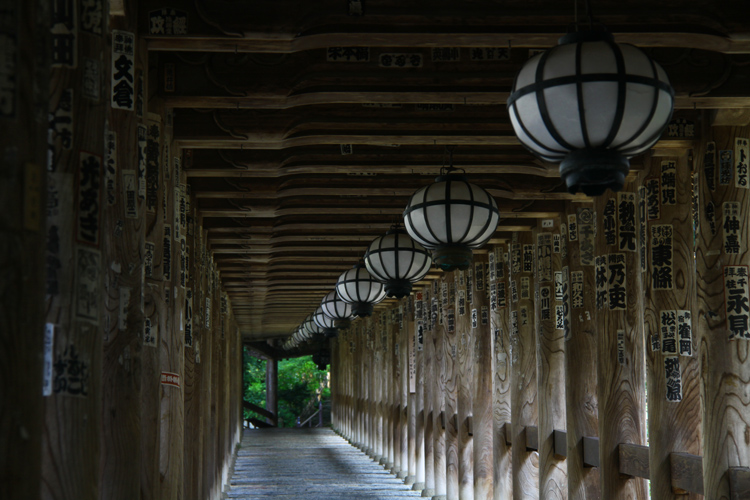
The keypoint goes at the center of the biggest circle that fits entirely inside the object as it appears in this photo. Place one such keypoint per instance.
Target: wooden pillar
(78, 108)
(27, 344)
(525, 463)
(722, 260)
(620, 347)
(440, 383)
(394, 392)
(410, 390)
(674, 423)
(405, 323)
(417, 400)
(272, 389)
(465, 384)
(431, 374)
(502, 480)
(479, 310)
(550, 321)
(124, 267)
(450, 375)
(581, 409)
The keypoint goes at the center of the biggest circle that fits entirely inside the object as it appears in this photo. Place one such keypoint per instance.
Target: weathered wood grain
(581, 403)
(465, 360)
(687, 473)
(634, 460)
(523, 402)
(441, 372)
(501, 383)
(673, 426)
(724, 367)
(621, 387)
(483, 396)
(431, 374)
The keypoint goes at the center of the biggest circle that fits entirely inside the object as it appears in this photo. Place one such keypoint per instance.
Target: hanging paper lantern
(325, 322)
(311, 329)
(398, 261)
(591, 104)
(338, 310)
(360, 289)
(450, 217)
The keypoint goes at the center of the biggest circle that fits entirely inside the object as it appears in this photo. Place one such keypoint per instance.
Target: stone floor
(313, 464)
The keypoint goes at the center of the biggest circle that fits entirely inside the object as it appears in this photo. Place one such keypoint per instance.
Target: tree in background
(301, 385)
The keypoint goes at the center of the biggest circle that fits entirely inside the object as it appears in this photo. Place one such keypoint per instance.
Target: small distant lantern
(338, 310)
(310, 329)
(590, 104)
(398, 261)
(451, 217)
(325, 322)
(360, 289)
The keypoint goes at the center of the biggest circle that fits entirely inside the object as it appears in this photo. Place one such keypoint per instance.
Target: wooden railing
(263, 412)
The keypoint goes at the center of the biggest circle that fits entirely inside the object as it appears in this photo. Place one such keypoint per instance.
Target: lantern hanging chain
(589, 15)
(450, 168)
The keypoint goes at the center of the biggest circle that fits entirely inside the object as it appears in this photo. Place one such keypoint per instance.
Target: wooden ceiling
(306, 125)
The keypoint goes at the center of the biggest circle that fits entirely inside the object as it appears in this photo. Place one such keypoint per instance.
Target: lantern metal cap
(452, 257)
(398, 288)
(362, 309)
(593, 171)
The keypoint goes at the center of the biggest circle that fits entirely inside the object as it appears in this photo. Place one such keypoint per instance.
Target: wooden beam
(739, 482)
(687, 473)
(590, 451)
(634, 460)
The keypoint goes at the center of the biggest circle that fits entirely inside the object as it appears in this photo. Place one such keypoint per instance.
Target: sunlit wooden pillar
(440, 382)
(377, 374)
(417, 400)
(502, 481)
(464, 365)
(550, 324)
(673, 370)
(479, 309)
(581, 410)
(395, 391)
(369, 358)
(78, 109)
(722, 266)
(525, 463)
(387, 394)
(27, 345)
(406, 324)
(620, 346)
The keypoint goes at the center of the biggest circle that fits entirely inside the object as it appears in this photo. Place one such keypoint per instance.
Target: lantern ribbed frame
(590, 104)
(360, 289)
(325, 322)
(338, 310)
(310, 328)
(450, 217)
(398, 261)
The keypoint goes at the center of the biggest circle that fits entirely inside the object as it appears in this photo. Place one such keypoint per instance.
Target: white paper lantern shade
(397, 261)
(311, 329)
(451, 217)
(325, 322)
(338, 310)
(360, 289)
(591, 104)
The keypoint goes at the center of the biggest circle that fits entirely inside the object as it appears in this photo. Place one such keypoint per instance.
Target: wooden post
(479, 310)
(722, 260)
(674, 423)
(431, 374)
(79, 105)
(124, 266)
(502, 480)
(523, 369)
(272, 390)
(410, 391)
(394, 392)
(581, 409)
(405, 323)
(417, 400)
(549, 315)
(465, 384)
(27, 344)
(620, 346)
(440, 382)
(450, 386)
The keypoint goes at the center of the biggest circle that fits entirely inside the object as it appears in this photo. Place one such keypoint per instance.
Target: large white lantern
(360, 289)
(338, 310)
(590, 104)
(325, 322)
(398, 261)
(451, 217)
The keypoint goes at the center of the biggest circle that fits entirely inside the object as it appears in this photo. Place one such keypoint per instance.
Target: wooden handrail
(260, 411)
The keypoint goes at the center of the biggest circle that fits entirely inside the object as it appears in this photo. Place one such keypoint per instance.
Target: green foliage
(300, 383)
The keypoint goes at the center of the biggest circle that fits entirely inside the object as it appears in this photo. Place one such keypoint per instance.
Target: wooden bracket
(508, 433)
(590, 451)
(454, 421)
(634, 460)
(687, 473)
(561, 443)
(442, 420)
(470, 425)
(739, 483)
(532, 438)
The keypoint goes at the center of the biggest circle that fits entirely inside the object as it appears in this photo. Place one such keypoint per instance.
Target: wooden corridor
(308, 464)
